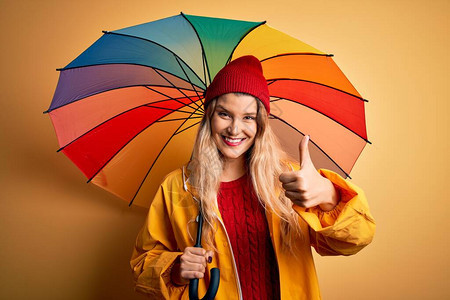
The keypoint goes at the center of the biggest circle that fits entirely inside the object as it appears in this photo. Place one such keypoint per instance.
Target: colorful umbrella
(126, 110)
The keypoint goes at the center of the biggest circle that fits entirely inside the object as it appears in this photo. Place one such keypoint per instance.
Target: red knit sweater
(246, 225)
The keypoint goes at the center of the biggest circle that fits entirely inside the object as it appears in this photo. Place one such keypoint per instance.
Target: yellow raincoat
(345, 230)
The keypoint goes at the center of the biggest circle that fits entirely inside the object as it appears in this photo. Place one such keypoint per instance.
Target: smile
(232, 142)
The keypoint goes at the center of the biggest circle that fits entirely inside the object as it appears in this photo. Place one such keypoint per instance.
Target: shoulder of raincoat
(170, 227)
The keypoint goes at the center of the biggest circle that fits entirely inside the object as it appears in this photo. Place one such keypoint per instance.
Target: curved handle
(212, 289)
(215, 272)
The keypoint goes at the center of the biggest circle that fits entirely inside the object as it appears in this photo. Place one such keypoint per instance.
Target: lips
(232, 142)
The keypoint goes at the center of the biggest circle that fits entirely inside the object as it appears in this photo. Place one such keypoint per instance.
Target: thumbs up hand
(306, 187)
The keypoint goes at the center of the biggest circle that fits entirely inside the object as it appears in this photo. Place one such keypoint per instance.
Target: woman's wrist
(331, 198)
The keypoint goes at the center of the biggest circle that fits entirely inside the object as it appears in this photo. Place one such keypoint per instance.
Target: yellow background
(64, 239)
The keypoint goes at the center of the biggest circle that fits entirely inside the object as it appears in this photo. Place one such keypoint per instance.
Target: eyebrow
(246, 114)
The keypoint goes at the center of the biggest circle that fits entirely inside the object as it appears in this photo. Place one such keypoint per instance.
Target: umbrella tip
(105, 31)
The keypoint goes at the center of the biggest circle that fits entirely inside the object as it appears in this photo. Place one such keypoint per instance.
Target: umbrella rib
(115, 116)
(204, 66)
(175, 99)
(366, 140)
(201, 44)
(297, 53)
(178, 119)
(108, 90)
(275, 100)
(153, 163)
(173, 85)
(153, 42)
(174, 110)
(332, 160)
(178, 132)
(313, 82)
(243, 37)
(195, 90)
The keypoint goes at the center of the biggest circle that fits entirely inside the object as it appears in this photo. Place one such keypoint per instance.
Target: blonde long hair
(265, 162)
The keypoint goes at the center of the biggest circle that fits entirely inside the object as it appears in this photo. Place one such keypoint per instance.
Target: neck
(233, 169)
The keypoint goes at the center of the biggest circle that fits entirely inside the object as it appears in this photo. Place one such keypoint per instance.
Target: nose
(233, 129)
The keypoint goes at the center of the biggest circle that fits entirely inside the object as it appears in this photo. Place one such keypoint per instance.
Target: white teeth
(232, 140)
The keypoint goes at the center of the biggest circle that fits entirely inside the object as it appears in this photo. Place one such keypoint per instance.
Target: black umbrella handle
(212, 289)
(215, 272)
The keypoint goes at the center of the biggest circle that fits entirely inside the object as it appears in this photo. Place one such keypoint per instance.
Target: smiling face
(233, 125)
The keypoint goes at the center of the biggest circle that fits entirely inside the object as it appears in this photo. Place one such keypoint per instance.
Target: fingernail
(209, 259)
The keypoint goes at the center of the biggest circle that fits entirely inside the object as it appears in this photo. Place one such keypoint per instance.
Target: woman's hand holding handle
(192, 264)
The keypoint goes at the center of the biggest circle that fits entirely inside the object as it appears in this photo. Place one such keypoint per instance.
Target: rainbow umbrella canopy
(126, 111)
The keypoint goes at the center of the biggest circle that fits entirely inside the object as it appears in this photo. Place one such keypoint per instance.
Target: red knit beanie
(242, 75)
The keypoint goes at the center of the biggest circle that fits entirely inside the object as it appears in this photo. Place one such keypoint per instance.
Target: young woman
(262, 211)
